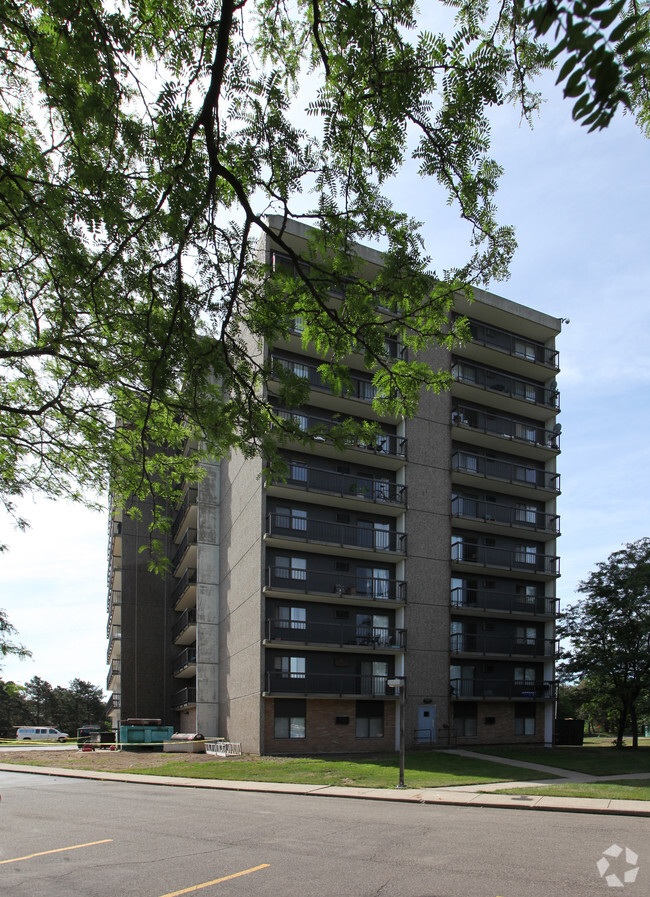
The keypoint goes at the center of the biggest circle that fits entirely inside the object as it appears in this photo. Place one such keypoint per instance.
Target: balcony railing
(361, 388)
(113, 671)
(114, 703)
(343, 585)
(343, 535)
(517, 689)
(114, 598)
(526, 432)
(187, 579)
(518, 559)
(511, 344)
(466, 643)
(327, 684)
(318, 428)
(189, 499)
(183, 697)
(186, 619)
(492, 469)
(188, 539)
(183, 660)
(115, 636)
(345, 484)
(524, 517)
(515, 387)
(339, 634)
(478, 599)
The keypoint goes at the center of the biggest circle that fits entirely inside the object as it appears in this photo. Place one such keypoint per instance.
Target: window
(292, 617)
(526, 474)
(526, 554)
(526, 635)
(524, 350)
(465, 719)
(298, 471)
(524, 719)
(290, 667)
(370, 719)
(289, 718)
(374, 675)
(373, 630)
(291, 568)
(526, 514)
(526, 432)
(373, 581)
(525, 675)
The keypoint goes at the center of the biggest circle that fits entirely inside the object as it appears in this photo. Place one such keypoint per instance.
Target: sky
(579, 203)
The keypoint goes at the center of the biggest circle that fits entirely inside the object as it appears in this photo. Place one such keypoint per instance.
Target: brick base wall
(322, 733)
(502, 731)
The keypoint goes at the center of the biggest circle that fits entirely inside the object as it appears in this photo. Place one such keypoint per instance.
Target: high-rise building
(427, 555)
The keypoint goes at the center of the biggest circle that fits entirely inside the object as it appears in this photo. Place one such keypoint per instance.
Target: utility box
(185, 743)
(569, 731)
(144, 737)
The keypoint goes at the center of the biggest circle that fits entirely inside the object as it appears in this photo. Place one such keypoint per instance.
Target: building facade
(428, 556)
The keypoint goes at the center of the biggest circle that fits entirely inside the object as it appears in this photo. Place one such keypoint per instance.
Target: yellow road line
(217, 881)
(58, 850)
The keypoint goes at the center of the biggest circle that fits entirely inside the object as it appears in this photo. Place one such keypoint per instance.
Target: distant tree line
(38, 703)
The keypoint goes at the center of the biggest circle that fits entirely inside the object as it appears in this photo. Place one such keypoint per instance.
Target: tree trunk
(635, 728)
(622, 720)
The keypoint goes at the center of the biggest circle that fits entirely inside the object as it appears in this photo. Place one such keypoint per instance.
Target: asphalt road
(62, 837)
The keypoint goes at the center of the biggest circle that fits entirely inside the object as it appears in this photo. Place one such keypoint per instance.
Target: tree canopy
(609, 631)
(7, 643)
(143, 144)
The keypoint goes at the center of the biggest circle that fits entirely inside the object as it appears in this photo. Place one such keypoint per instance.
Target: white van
(40, 733)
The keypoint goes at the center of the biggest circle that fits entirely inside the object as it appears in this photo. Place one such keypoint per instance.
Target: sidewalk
(458, 795)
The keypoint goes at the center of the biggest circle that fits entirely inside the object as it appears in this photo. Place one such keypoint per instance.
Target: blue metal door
(426, 728)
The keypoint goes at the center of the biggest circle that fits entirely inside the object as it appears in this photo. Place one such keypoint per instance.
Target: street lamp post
(400, 687)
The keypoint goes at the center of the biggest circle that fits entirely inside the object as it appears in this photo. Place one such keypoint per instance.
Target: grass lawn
(422, 770)
(601, 760)
(630, 789)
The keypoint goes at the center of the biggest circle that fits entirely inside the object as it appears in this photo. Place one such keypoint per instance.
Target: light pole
(399, 684)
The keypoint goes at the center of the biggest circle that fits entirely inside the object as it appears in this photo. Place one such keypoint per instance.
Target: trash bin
(144, 737)
(185, 743)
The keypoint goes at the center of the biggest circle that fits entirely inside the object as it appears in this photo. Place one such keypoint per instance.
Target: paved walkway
(464, 795)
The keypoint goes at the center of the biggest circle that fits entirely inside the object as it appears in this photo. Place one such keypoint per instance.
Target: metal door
(426, 728)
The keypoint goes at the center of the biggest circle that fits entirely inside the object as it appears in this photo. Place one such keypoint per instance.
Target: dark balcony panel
(507, 602)
(328, 684)
(341, 584)
(469, 643)
(183, 660)
(187, 579)
(497, 381)
(360, 387)
(503, 688)
(346, 485)
(513, 344)
(332, 633)
(344, 535)
(526, 432)
(509, 472)
(470, 508)
(518, 559)
(187, 619)
(184, 697)
(189, 499)
(188, 539)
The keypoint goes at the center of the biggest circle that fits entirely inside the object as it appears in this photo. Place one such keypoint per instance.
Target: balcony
(186, 515)
(386, 447)
(503, 602)
(497, 516)
(184, 664)
(507, 646)
(491, 430)
(518, 347)
(335, 586)
(519, 559)
(330, 684)
(185, 554)
(283, 530)
(114, 703)
(335, 634)
(352, 488)
(184, 594)
(114, 599)
(504, 389)
(522, 477)
(361, 388)
(114, 611)
(186, 697)
(114, 644)
(184, 630)
(507, 689)
(113, 674)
